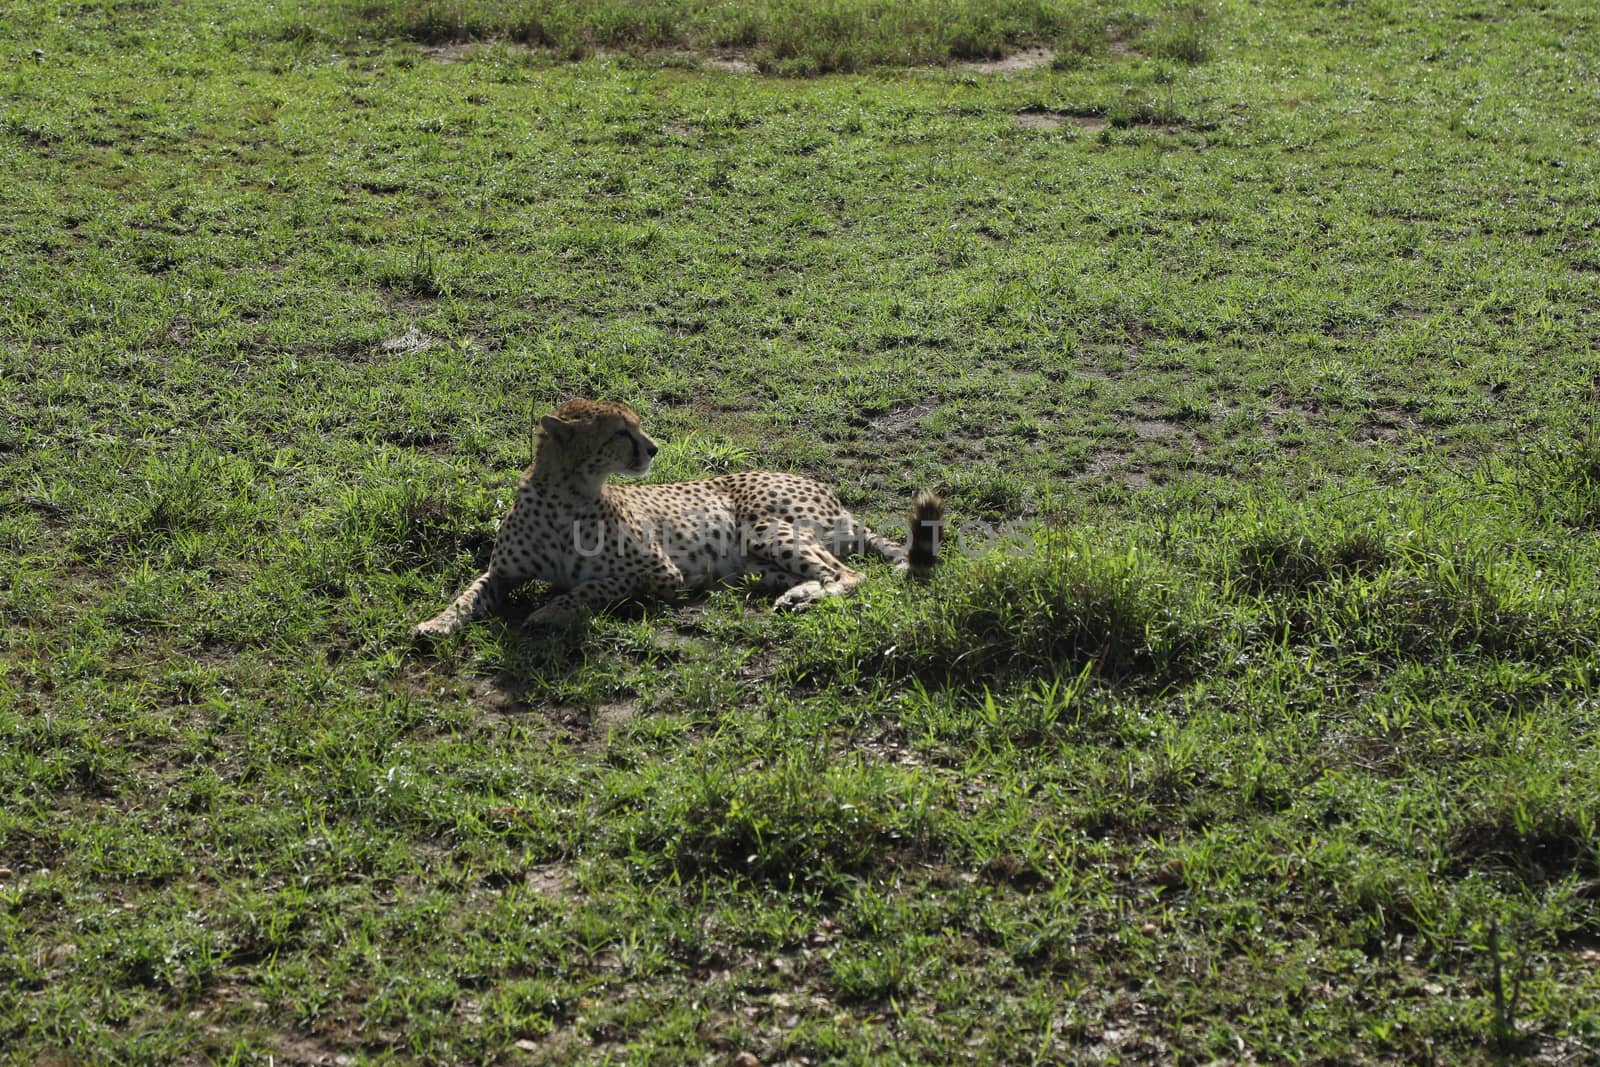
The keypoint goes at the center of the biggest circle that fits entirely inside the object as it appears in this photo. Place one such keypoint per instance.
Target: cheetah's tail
(921, 550)
(926, 531)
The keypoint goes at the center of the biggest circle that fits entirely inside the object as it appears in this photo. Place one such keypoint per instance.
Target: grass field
(1253, 718)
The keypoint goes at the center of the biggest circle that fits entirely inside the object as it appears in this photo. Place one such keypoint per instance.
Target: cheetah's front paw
(438, 626)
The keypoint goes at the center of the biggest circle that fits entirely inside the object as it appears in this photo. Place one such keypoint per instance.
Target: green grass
(1251, 719)
(788, 36)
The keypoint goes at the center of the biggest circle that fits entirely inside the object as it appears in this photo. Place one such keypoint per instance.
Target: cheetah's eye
(622, 433)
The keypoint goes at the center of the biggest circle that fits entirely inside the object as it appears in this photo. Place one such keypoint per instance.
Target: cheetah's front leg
(580, 601)
(480, 598)
(661, 580)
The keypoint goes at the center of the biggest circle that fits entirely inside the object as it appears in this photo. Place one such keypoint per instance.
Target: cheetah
(598, 543)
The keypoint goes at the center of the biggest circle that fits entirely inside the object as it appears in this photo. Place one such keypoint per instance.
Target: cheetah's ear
(554, 426)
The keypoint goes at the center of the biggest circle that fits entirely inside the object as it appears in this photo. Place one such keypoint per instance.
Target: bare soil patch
(1112, 464)
(1038, 120)
(1023, 59)
(1156, 430)
(553, 881)
(314, 1051)
(413, 340)
(1044, 119)
(730, 62)
(504, 696)
(609, 717)
(899, 420)
(883, 747)
(451, 52)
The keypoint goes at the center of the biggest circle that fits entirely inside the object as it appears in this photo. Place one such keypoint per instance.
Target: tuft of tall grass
(400, 515)
(192, 490)
(1054, 607)
(1540, 827)
(1559, 480)
(1182, 32)
(1285, 559)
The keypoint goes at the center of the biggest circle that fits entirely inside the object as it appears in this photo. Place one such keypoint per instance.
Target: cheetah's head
(591, 439)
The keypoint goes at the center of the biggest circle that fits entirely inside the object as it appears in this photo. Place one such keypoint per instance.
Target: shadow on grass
(577, 668)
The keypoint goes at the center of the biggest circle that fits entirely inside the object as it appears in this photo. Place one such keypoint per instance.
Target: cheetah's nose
(651, 449)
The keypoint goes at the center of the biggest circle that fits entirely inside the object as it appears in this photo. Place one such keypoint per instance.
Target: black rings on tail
(927, 531)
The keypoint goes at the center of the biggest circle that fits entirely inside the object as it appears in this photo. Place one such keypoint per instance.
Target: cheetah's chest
(565, 546)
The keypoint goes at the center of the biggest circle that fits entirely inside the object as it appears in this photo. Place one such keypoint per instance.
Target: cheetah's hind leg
(787, 558)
